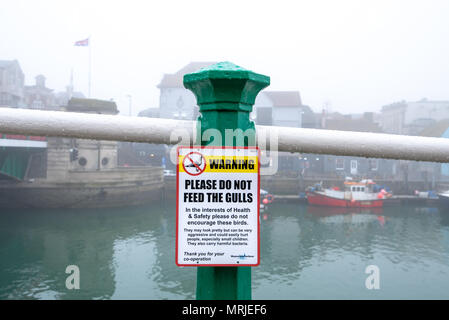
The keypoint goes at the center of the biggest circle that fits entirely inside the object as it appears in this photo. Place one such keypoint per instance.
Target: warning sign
(217, 217)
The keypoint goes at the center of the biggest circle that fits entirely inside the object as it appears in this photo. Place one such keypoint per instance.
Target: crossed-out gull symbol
(194, 163)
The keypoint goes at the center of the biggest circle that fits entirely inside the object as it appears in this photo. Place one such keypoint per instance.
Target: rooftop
(92, 106)
(9, 63)
(284, 98)
(175, 80)
(149, 112)
(404, 104)
(359, 125)
(6, 63)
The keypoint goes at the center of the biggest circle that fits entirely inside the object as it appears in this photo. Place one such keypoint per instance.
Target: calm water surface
(306, 253)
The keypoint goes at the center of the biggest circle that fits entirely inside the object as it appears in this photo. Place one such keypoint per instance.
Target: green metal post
(225, 94)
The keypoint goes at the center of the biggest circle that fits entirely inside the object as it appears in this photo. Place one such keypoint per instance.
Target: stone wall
(92, 155)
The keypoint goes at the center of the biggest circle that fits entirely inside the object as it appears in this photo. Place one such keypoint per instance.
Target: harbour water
(306, 253)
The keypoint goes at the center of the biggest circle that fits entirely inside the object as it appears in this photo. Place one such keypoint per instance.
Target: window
(37, 104)
(264, 116)
(339, 164)
(5, 98)
(180, 103)
(373, 164)
(11, 79)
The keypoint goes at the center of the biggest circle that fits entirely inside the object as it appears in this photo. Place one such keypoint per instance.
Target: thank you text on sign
(217, 206)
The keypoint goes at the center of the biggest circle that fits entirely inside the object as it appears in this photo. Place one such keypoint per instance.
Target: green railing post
(225, 94)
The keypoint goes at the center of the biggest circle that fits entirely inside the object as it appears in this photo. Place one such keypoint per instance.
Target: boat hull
(120, 187)
(318, 199)
(77, 196)
(443, 199)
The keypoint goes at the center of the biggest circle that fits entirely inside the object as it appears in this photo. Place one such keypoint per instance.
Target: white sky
(358, 55)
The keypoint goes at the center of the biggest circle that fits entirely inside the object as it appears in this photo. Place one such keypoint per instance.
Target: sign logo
(194, 163)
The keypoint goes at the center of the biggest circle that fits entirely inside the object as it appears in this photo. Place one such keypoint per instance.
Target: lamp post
(225, 94)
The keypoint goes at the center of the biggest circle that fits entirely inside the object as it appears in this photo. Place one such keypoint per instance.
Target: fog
(353, 55)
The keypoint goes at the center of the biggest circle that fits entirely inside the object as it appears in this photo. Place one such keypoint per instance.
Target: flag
(82, 43)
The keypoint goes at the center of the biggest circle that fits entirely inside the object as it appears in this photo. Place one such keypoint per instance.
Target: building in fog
(85, 154)
(279, 108)
(38, 96)
(282, 108)
(12, 82)
(144, 154)
(411, 118)
(312, 165)
(63, 97)
(285, 109)
(14, 93)
(176, 102)
(355, 166)
(361, 122)
(436, 171)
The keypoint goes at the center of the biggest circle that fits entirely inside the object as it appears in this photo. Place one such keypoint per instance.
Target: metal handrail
(166, 131)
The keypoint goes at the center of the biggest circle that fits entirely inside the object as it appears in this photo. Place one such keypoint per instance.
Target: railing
(165, 131)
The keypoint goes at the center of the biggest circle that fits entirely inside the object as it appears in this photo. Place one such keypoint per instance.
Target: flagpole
(90, 64)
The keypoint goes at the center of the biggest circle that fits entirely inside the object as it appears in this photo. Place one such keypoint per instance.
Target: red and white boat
(356, 195)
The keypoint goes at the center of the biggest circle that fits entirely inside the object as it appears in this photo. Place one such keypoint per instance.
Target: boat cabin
(363, 186)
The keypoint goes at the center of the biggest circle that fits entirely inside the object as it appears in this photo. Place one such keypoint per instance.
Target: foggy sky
(357, 55)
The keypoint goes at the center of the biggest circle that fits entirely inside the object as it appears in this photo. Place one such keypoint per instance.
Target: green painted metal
(14, 162)
(225, 95)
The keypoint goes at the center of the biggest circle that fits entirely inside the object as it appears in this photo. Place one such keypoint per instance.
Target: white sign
(218, 198)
